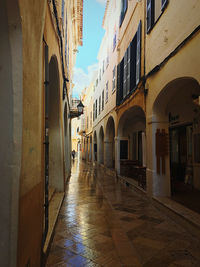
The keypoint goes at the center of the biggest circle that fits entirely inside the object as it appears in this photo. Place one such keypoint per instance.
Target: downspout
(46, 143)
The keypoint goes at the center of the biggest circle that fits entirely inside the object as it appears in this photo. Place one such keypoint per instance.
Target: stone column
(108, 153)
(117, 155)
(157, 184)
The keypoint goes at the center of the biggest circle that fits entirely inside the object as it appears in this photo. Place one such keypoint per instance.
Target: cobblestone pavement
(104, 223)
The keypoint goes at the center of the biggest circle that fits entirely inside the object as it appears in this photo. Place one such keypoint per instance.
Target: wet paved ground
(104, 223)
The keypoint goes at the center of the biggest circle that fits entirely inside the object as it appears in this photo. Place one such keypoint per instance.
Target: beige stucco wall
(170, 30)
(178, 20)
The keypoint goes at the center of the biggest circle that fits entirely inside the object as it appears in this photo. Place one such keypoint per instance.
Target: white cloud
(82, 79)
(103, 2)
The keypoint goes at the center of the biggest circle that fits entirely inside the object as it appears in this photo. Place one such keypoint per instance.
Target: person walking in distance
(73, 154)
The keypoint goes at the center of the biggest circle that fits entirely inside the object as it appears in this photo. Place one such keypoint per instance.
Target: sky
(86, 59)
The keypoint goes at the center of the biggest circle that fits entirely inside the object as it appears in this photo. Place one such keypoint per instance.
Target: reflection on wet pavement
(104, 223)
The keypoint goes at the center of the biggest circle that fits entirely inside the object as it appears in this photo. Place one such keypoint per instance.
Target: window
(66, 41)
(96, 82)
(107, 61)
(100, 75)
(113, 80)
(63, 9)
(99, 105)
(129, 69)
(93, 111)
(77, 130)
(154, 9)
(107, 92)
(114, 40)
(124, 5)
(103, 67)
(103, 100)
(91, 119)
(96, 109)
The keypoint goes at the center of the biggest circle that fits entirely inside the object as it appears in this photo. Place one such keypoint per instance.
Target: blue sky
(86, 60)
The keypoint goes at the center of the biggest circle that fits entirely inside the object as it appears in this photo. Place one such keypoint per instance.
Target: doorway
(180, 155)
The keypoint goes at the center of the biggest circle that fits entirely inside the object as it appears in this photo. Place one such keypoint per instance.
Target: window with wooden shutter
(96, 109)
(138, 56)
(124, 6)
(133, 63)
(113, 80)
(99, 104)
(128, 69)
(107, 92)
(121, 80)
(118, 84)
(150, 14)
(93, 111)
(125, 75)
(63, 9)
(163, 4)
(103, 100)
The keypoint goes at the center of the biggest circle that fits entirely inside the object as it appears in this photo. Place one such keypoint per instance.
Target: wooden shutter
(163, 4)
(125, 75)
(118, 84)
(150, 14)
(121, 80)
(128, 69)
(133, 63)
(138, 55)
(125, 5)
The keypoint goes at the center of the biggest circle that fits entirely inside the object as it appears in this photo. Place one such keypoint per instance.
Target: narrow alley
(105, 223)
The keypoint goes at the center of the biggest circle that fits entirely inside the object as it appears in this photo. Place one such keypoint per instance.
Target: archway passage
(101, 146)
(178, 106)
(110, 143)
(95, 146)
(132, 145)
(56, 176)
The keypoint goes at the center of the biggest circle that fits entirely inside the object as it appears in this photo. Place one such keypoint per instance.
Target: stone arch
(176, 111)
(101, 145)
(110, 143)
(56, 175)
(11, 108)
(95, 146)
(131, 139)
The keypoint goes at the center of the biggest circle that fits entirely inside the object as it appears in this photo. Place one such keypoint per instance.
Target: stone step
(52, 190)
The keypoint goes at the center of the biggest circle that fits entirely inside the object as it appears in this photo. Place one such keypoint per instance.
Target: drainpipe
(46, 143)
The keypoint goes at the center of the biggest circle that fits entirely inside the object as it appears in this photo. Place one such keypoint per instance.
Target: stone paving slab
(104, 223)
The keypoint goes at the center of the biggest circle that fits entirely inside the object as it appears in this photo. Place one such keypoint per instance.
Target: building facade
(146, 96)
(37, 55)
